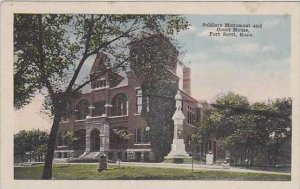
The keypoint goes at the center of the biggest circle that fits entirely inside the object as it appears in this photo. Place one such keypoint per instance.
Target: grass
(89, 172)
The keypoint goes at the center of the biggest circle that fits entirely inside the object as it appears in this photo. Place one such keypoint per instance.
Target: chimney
(186, 81)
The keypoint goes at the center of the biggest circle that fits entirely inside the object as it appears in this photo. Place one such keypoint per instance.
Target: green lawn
(89, 171)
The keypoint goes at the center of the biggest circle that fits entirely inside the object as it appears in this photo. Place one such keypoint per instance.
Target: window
(138, 135)
(198, 113)
(99, 109)
(191, 118)
(100, 83)
(119, 105)
(139, 101)
(147, 135)
(82, 109)
(148, 104)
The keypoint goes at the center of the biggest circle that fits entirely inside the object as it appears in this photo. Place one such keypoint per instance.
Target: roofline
(189, 96)
(172, 73)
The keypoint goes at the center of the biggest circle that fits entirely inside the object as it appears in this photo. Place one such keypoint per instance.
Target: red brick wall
(133, 120)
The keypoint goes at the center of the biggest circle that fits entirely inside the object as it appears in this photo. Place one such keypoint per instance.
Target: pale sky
(257, 67)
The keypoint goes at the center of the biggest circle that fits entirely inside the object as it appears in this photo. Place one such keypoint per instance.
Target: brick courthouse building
(115, 101)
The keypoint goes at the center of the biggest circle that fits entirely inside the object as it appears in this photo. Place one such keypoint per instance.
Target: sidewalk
(199, 167)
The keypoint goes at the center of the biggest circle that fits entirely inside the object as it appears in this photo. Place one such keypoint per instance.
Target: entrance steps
(90, 155)
(60, 160)
(86, 157)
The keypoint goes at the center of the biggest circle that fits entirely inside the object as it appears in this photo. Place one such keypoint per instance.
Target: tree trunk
(275, 159)
(269, 158)
(251, 158)
(235, 156)
(241, 159)
(119, 150)
(47, 172)
(247, 158)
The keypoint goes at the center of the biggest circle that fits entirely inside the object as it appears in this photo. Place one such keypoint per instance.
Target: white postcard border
(201, 8)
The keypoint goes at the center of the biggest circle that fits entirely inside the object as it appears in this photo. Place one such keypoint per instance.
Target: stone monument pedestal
(178, 150)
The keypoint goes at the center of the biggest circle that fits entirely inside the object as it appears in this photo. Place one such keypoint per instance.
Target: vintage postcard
(150, 94)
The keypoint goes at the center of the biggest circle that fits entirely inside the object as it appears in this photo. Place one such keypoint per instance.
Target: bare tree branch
(84, 57)
(86, 54)
(125, 34)
(95, 51)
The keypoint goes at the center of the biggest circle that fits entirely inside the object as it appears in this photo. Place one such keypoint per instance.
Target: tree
(233, 130)
(155, 60)
(29, 141)
(70, 140)
(278, 146)
(20, 145)
(159, 117)
(51, 49)
(122, 138)
(244, 129)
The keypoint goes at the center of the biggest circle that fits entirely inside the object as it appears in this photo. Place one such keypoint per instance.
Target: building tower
(186, 82)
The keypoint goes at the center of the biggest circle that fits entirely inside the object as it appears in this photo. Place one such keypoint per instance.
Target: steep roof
(123, 83)
(99, 63)
(188, 96)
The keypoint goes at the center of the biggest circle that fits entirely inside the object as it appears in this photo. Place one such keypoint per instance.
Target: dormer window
(101, 83)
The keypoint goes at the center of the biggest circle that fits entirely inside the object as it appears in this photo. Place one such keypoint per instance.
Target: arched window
(119, 105)
(82, 109)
